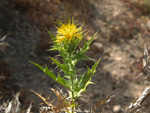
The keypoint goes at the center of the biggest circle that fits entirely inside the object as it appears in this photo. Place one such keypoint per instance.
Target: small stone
(116, 108)
(97, 46)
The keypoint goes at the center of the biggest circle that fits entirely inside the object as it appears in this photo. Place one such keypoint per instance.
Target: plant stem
(72, 93)
(72, 67)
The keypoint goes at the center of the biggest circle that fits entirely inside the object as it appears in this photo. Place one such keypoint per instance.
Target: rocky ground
(123, 31)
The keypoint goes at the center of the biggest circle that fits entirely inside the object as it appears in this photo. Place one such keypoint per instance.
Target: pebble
(98, 46)
(116, 108)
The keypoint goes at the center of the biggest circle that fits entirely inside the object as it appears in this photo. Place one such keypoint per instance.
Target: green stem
(72, 93)
(72, 67)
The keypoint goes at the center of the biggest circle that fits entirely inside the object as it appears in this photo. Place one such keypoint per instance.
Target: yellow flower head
(68, 30)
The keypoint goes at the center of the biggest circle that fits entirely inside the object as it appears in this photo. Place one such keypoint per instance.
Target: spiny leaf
(90, 41)
(46, 70)
(49, 73)
(59, 79)
(85, 80)
(87, 77)
(87, 44)
(54, 48)
(37, 65)
(62, 81)
(80, 56)
(53, 38)
(62, 66)
(95, 66)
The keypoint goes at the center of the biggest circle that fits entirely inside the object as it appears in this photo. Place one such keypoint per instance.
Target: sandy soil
(120, 43)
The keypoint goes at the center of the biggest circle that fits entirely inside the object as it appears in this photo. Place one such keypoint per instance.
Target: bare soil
(123, 31)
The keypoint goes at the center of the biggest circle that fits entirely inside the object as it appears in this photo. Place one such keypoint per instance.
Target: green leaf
(90, 41)
(53, 38)
(49, 73)
(62, 66)
(95, 66)
(87, 44)
(54, 48)
(80, 56)
(37, 65)
(46, 71)
(85, 80)
(74, 44)
(87, 77)
(62, 81)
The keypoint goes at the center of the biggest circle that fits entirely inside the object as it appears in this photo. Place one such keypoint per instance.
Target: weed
(66, 42)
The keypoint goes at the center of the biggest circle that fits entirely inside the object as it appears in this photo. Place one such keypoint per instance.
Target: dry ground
(123, 31)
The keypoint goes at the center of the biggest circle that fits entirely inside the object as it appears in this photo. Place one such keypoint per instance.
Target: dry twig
(137, 104)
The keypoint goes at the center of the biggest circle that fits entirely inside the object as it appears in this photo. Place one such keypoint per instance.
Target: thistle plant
(66, 41)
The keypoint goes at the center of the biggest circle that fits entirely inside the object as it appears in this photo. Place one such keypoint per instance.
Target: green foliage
(76, 84)
(46, 71)
(85, 80)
